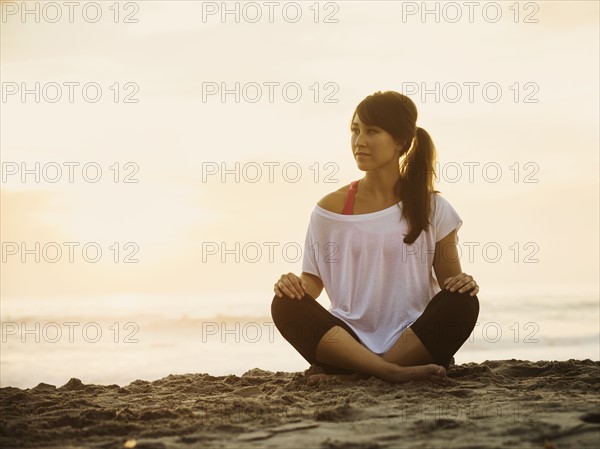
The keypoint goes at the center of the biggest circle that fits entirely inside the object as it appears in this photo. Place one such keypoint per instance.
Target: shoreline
(495, 403)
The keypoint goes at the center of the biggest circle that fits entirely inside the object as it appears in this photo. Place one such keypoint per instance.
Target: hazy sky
(541, 132)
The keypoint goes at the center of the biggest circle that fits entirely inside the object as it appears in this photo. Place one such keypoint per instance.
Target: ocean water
(118, 339)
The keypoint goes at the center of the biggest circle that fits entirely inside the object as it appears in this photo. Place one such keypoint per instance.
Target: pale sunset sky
(542, 133)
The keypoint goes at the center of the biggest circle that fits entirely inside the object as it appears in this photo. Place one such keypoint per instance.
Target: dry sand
(496, 404)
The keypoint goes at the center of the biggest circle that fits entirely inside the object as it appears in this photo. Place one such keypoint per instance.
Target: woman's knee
(462, 304)
(282, 307)
(277, 305)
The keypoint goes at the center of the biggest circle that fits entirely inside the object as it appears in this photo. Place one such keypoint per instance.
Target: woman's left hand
(461, 283)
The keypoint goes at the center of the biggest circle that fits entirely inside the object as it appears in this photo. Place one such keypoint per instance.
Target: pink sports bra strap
(348, 207)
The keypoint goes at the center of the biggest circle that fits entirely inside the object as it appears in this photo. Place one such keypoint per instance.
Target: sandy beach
(497, 403)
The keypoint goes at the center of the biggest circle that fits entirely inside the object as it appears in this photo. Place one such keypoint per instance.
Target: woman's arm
(446, 262)
(314, 285)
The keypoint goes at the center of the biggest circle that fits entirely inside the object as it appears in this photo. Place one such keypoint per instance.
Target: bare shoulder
(334, 201)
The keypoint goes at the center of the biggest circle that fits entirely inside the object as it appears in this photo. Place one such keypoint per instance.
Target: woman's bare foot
(396, 374)
(402, 374)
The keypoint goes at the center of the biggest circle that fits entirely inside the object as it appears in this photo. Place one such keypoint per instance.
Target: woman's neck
(379, 189)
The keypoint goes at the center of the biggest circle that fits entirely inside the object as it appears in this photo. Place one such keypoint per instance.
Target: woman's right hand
(290, 285)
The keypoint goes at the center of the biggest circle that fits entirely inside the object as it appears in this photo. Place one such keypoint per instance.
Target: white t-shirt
(377, 284)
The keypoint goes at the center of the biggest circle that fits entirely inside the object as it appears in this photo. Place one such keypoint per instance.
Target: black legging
(443, 327)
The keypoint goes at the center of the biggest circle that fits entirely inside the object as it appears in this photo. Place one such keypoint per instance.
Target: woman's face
(378, 146)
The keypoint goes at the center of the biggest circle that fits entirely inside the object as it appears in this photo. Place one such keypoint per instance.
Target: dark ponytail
(415, 185)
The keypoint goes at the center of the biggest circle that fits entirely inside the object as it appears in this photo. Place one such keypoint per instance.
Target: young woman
(372, 245)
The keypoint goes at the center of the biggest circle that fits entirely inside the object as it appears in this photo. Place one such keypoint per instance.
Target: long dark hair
(397, 114)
